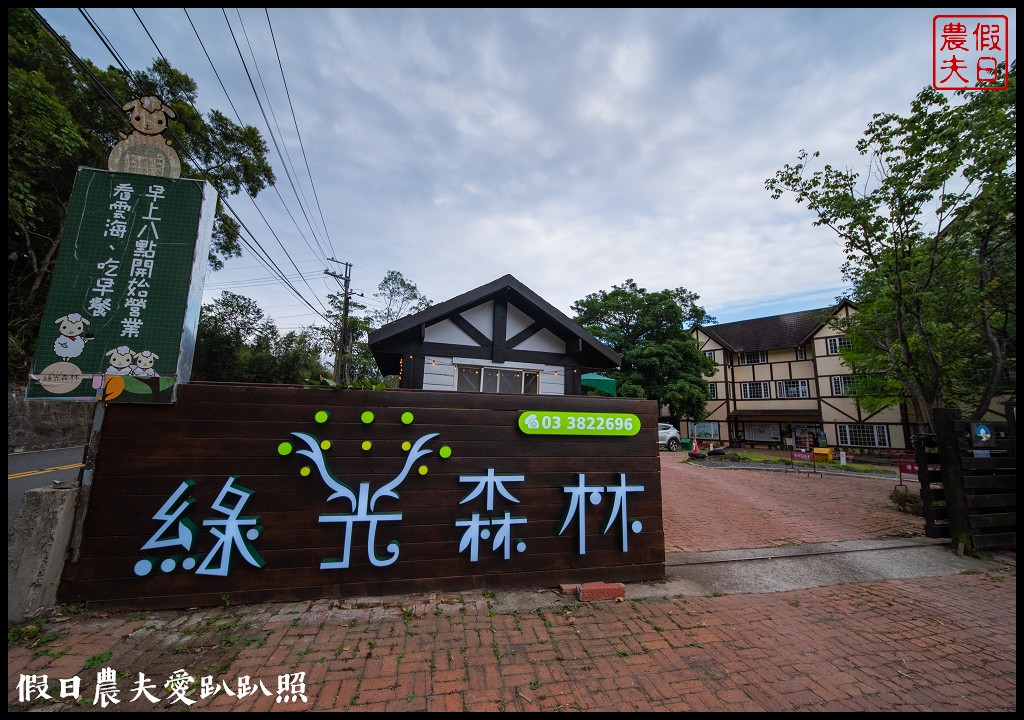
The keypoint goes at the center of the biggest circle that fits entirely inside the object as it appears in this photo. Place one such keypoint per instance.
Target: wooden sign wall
(249, 493)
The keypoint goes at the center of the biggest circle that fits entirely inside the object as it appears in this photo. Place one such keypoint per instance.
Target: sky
(574, 149)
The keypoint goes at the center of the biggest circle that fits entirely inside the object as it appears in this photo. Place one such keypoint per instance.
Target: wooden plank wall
(219, 431)
(978, 494)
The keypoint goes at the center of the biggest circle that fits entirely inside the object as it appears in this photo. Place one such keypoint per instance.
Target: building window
(707, 430)
(498, 380)
(755, 391)
(863, 435)
(713, 390)
(709, 354)
(762, 432)
(757, 357)
(792, 389)
(801, 354)
(842, 385)
(835, 344)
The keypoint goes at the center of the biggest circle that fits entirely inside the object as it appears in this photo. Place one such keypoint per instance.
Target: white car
(668, 437)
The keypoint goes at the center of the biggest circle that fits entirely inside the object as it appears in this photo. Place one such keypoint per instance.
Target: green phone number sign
(540, 422)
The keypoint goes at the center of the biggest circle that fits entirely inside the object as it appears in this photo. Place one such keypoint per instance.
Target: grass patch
(751, 456)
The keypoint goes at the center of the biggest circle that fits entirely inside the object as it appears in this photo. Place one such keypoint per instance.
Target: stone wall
(45, 424)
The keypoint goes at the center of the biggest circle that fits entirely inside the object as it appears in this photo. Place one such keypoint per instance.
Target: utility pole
(343, 347)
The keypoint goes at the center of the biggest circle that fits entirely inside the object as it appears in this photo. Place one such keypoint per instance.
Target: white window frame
(754, 357)
(834, 345)
(763, 392)
(713, 390)
(482, 370)
(842, 385)
(876, 436)
(782, 389)
(801, 353)
(709, 354)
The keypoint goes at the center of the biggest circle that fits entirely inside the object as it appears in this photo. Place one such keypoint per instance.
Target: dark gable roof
(771, 333)
(522, 297)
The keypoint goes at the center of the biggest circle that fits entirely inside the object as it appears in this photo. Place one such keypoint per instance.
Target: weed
(623, 653)
(906, 501)
(718, 594)
(794, 603)
(410, 697)
(696, 644)
(21, 633)
(535, 684)
(250, 640)
(136, 617)
(98, 659)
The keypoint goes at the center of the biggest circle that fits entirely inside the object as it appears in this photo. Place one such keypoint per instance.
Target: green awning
(598, 382)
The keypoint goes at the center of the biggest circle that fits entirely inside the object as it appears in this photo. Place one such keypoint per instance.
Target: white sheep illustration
(144, 362)
(120, 360)
(71, 342)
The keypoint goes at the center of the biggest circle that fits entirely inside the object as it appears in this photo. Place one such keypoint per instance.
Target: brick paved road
(942, 643)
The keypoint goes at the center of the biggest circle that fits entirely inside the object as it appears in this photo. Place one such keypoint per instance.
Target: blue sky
(573, 149)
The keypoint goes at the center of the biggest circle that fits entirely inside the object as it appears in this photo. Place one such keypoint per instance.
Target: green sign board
(123, 309)
(550, 422)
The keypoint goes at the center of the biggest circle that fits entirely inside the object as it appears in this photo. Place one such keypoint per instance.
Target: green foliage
(22, 633)
(97, 660)
(660, 359)
(906, 501)
(57, 120)
(930, 240)
(237, 342)
(331, 384)
(396, 297)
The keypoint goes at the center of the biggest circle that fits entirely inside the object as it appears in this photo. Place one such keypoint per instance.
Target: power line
(298, 134)
(130, 79)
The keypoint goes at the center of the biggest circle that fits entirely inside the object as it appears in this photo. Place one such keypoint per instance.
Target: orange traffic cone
(696, 448)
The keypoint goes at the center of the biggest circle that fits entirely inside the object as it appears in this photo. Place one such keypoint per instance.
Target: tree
(660, 359)
(237, 342)
(60, 117)
(399, 297)
(348, 348)
(936, 320)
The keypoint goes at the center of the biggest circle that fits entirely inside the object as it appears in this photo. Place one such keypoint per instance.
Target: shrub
(906, 501)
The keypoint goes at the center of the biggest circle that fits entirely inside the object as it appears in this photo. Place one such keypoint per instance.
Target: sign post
(123, 310)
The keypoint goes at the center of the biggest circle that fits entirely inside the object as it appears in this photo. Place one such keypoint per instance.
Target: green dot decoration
(366, 417)
(325, 444)
(423, 469)
(407, 418)
(406, 445)
(304, 472)
(367, 444)
(284, 448)
(322, 416)
(445, 452)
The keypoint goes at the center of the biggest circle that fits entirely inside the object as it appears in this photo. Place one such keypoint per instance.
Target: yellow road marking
(15, 476)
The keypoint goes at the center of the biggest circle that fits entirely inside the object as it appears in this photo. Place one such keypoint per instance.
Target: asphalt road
(39, 469)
